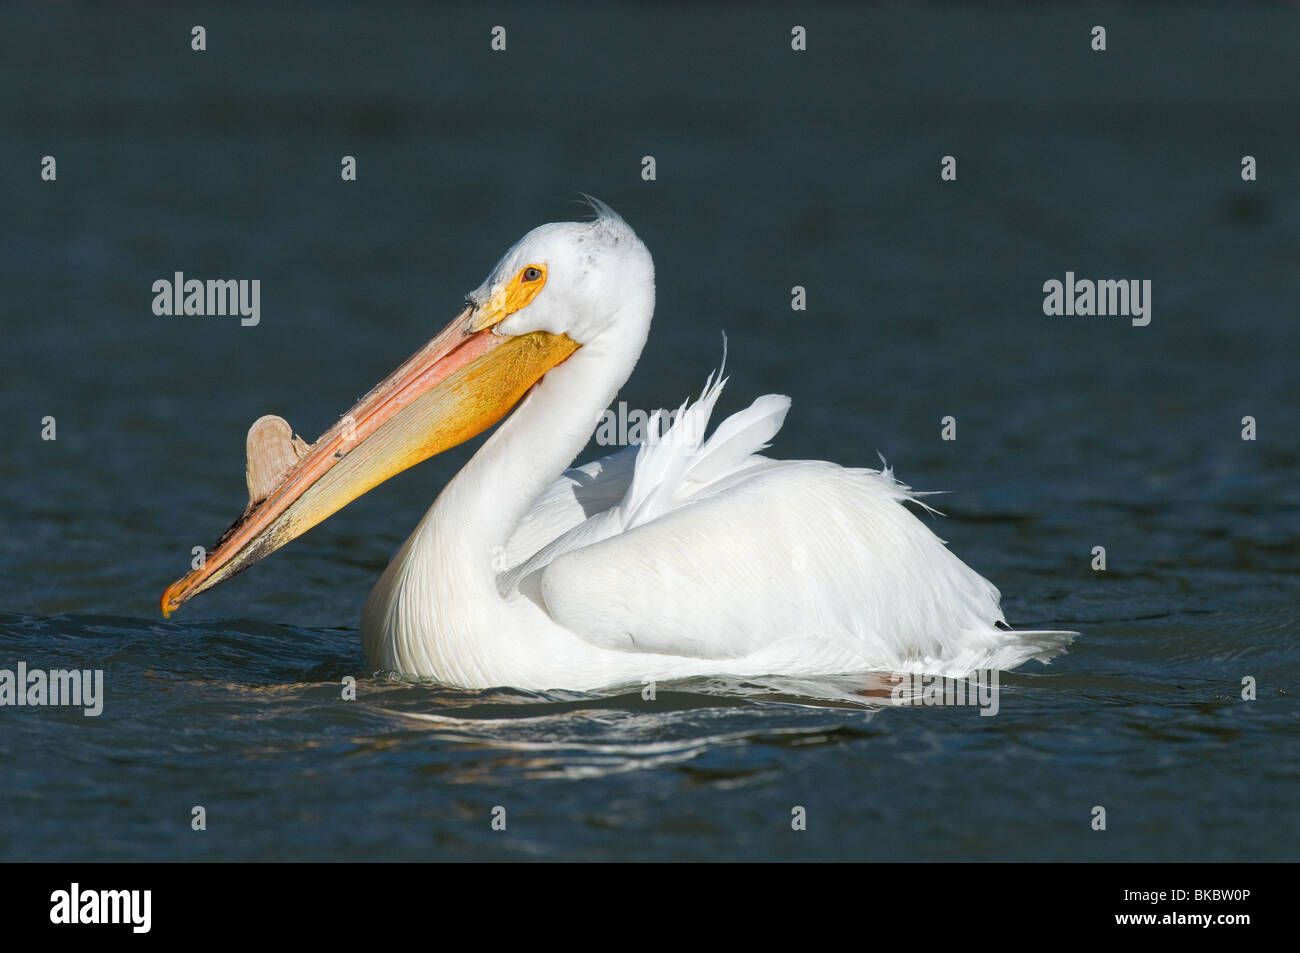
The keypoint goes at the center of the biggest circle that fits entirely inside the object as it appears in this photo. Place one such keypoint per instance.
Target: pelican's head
(578, 279)
(560, 287)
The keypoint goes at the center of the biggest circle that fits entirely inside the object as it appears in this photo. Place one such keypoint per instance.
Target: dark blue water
(774, 169)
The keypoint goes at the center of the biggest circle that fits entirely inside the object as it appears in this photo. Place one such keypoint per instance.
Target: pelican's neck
(478, 511)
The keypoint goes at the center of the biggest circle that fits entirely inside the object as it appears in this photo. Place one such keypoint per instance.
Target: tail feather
(1043, 644)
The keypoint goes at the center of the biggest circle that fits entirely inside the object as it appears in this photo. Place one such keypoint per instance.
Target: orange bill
(455, 387)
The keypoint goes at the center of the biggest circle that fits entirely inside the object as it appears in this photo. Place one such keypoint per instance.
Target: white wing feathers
(594, 502)
(671, 467)
(803, 564)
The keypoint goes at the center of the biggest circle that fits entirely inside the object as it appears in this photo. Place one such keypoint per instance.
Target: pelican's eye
(515, 296)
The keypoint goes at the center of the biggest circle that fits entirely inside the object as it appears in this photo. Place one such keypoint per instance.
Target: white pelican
(676, 557)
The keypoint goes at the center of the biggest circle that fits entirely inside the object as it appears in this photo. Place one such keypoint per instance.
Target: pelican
(679, 556)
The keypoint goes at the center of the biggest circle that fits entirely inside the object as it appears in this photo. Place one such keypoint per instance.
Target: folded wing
(714, 551)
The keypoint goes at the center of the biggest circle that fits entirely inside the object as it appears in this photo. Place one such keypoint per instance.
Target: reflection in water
(573, 735)
(191, 716)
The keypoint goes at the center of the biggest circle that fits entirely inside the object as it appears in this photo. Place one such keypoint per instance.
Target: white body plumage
(679, 557)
